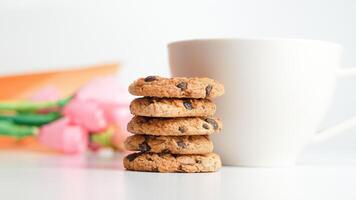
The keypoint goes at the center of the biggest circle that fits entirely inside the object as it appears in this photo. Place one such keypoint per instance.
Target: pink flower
(96, 106)
(110, 97)
(104, 90)
(63, 136)
(87, 114)
(120, 117)
(47, 93)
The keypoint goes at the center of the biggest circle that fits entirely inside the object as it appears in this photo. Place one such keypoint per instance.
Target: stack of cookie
(172, 124)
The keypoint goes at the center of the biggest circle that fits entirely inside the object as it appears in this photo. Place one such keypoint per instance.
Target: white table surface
(28, 175)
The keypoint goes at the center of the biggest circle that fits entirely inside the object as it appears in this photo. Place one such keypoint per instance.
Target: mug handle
(342, 126)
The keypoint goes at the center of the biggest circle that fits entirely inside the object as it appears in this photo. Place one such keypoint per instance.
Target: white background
(37, 35)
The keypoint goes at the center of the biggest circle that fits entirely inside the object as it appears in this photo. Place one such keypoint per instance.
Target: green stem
(29, 106)
(10, 129)
(31, 118)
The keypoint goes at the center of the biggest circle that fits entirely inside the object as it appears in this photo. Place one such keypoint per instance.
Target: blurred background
(58, 34)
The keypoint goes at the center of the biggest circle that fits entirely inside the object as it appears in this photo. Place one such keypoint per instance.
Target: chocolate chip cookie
(197, 144)
(172, 107)
(174, 126)
(153, 162)
(178, 87)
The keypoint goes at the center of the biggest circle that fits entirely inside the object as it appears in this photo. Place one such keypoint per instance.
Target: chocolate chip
(146, 137)
(133, 156)
(143, 147)
(150, 78)
(213, 123)
(161, 154)
(180, 169)
(166, 151)
(182, 129)
(208, 90)
(150, 100)
(188, 105)
(145, 119)
(206, 126)
(181, 144)
(182, 85)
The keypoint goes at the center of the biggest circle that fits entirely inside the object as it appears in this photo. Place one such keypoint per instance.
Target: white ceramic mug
(277, 93)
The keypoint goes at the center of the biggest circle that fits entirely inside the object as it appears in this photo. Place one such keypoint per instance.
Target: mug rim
(256, 39)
